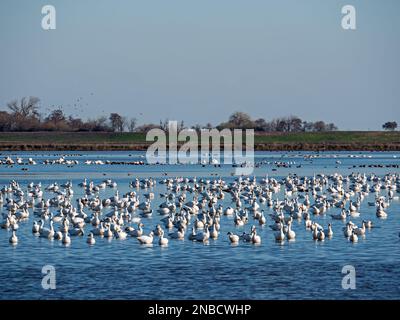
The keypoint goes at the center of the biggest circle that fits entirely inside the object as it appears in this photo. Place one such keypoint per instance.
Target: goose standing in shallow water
(360, 231)
(179, 234)
(162, 241)
(315, 233)
(353, 237)
(368, 223)
(203, 236)
(47, 233)
(108, 233)
(58, 235)
(255, 238)
(66, 238)
(137, 232)
(290, 234)
(262, 220)
(13, 239)
(192, 235)
(321, 235)
(90, 240)
(146, 239)
(348, 230)
(213, 232)
(233, 238)
(329, 231)
(35, 227)
(341, 216)
(380, 213)
(280, 236)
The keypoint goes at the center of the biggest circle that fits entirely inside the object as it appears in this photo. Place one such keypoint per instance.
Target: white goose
(137, 232)
(35, 227)
(90, 240)
(255, 238)
(380, 213)
(353, 237)
(341, 216)
(233, 238)
(162, 241)
(203, 236)
(47, 233)
(262, 220)
(360, 231)
(192, 236)
(279, 236)
(66, 238)
(315, 233)
(321, 235)
(13, 239)
(348, 230)
(329, 231)
(290, 234)
(178, 234)
(213, 232)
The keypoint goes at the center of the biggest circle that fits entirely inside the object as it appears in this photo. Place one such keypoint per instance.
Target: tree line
(241, 120)
(24, 115)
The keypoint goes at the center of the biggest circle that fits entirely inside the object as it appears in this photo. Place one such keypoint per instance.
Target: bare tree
(260, 125)
(117, 122)
(25, 114)
(5, 121)
(294, 124)
(319, 126)
(240, 120)
(26, 107)
(331, 127)
(56, 116)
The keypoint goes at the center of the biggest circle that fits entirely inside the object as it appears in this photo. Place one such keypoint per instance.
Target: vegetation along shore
(98, 141)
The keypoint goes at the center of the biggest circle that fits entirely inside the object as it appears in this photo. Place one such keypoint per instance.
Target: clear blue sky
(201, 60)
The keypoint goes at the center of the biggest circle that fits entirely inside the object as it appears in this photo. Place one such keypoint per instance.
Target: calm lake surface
(124, 269)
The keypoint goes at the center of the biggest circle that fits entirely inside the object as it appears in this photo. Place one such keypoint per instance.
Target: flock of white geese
(61, 160)
(192, 208)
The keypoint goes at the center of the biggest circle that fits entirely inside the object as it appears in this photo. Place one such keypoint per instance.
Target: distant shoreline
(143, 147)
(107, 141)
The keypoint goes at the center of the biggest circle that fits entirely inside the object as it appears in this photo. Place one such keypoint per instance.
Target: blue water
(123, 269)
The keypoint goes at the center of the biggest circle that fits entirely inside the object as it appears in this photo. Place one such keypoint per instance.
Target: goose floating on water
(13, 239)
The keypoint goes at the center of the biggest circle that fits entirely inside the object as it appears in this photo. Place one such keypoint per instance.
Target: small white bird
(146, 239)
(321, 235)
(13, 239)
(279, 236)
(255, 238)
(90, 240)
(35, 227)
(66, 238)
(162, 241)
(290, 234)
(233, 238)
(353, 237)
(329, 231)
